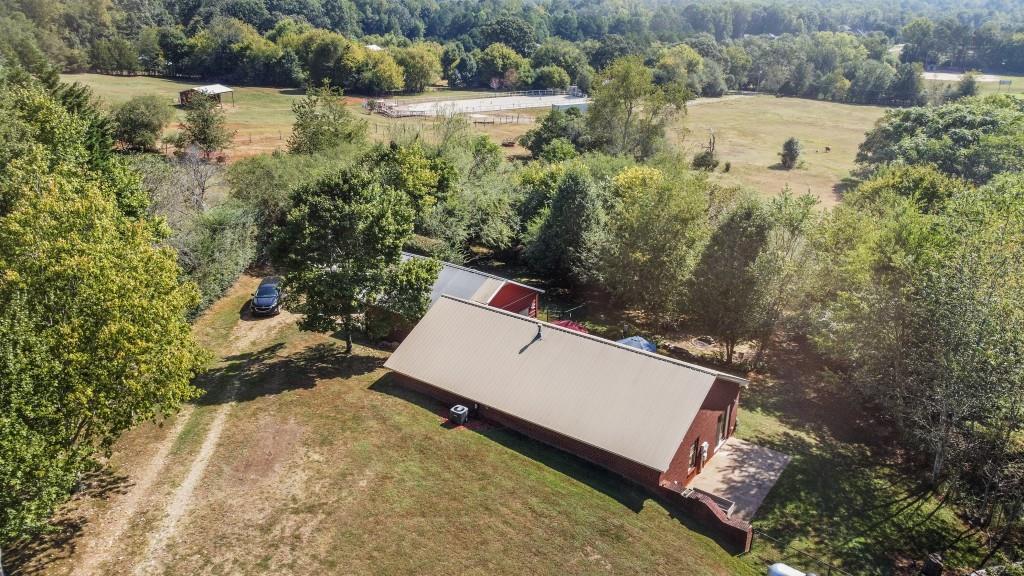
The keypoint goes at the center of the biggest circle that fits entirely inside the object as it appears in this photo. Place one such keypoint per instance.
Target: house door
(723, 427)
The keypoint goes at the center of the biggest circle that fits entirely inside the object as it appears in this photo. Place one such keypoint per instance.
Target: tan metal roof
(632, 403)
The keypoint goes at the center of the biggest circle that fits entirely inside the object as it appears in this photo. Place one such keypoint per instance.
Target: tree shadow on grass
(845, 495)
(266, 372)
(625, 492)
(59, 542)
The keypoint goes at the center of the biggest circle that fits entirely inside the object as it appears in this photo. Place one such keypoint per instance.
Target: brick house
(649, 418)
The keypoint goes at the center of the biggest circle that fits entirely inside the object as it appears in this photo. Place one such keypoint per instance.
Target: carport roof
(467, 283)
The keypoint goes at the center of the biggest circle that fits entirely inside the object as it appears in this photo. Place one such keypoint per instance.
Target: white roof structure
(625, 401)
(467, 283)
(213, 89)
(373, 48)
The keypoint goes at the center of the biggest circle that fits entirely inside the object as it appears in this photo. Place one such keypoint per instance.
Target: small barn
(649, 418)
(477, 286)
(215, 91)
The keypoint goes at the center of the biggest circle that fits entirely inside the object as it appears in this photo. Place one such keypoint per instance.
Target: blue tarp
(639, 343)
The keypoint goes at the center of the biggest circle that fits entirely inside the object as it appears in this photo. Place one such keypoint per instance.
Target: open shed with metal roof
(215, 91)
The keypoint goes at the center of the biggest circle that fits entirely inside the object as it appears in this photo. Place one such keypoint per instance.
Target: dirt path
(245, 335)
(156, 551)
(112, 526)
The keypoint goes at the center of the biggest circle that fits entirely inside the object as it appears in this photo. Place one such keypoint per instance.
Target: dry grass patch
(749, 133)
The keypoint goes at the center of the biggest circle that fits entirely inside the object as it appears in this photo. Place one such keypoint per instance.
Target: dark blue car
(266, 301)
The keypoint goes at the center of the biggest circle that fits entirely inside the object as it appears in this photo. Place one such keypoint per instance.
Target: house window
(695, 453)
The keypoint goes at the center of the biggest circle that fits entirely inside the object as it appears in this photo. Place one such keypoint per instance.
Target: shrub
(139, 122)
(551, 77)
(790, 153)
(705, 160)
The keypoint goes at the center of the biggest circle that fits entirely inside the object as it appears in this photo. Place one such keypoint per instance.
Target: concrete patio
(741, 472)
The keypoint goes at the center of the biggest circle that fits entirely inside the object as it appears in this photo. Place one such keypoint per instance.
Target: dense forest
(855, 52)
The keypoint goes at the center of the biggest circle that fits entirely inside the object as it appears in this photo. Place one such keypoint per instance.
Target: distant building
(373, 48)
(215, 91)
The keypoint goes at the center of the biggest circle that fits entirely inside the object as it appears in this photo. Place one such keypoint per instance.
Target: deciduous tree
(338, 242)
(629, 112)
(322, 121)
(139, 122)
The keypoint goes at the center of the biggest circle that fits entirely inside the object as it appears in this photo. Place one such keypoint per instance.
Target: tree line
(847, 53)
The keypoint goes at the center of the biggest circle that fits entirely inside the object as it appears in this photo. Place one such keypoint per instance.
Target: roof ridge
(475, 271)
(696, 367)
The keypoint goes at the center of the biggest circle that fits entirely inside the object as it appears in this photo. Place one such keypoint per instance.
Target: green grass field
(1016, 86)
(749, 130)
(260, 117)
(749, 133)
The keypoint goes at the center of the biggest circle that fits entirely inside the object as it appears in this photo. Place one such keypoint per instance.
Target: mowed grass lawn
(261, 117)
(749, 132)
(324, 466)
(1016, 85)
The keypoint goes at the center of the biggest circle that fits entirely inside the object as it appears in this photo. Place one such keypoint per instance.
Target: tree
(499, 66)
(974, 138)
(968, 85)
(655, 235)
(907, 88)
(558, 150)
(629, 112)
(511, 31)
(724, 292)
(929, 188)
(783, 264)
(139, 122)
(550, 77)
(790, 153)
(681, 64)
(404, 295)
(561, 53)
(322, 121)
(556, 125)
(205, 126)
(420, 64)
(75, 246)
(566, 238)
(380, 74)
(342, 235)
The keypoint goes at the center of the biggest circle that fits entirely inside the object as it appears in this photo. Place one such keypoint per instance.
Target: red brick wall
(634, 471)
(705, 427)
(735, 533)
(516, 299)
